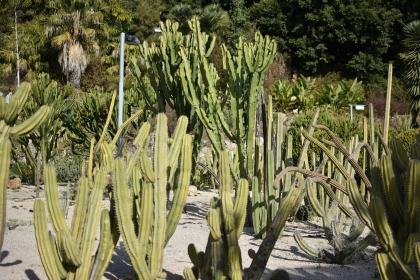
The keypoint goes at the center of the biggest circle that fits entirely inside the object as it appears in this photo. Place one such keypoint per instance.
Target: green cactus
(222, 257)
(343, 247)
(9, 114)
(75, 244)
(150, 184)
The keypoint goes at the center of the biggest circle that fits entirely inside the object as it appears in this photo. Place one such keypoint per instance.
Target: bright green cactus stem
(75, 244)
(9, 114)
(146, 202)
(222, 257)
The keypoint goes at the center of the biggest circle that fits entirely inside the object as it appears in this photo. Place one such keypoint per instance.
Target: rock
(14, 184)
(192, 190)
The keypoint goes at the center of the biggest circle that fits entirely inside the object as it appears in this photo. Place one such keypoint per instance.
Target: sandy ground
(20, 258)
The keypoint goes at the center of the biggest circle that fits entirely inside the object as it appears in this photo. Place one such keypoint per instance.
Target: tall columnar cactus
(70, 254)
(144, 206)
(394, 211)
(222, 257)
(9, 114)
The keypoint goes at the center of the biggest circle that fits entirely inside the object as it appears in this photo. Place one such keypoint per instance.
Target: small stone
(192, 190)
(14, 184)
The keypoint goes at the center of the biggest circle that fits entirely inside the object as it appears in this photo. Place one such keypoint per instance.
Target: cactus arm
(258, 264)
(239, 208)
(181, 191)
(359, 206)
(105, 248)
(409, 250)
(123, 126)
(384, 144)
(384, 265)
(256, 207)
(91, 225)
(327, 151)
(159, 197)
(5, 148)
(45, 249)
(188, 274)
(235, 263)
(175, 149)
(139, 141)
(412, 199)
(80, 209)
(334, 197)
(60, 268)
(399, 154)
(29, 125)
(316, 206)
(108, 120)
(417, 255)
(390, 191)
(145, 222)
(121, 194)
(16, 103)
(316, 175)
(67, 241)
(305, 247)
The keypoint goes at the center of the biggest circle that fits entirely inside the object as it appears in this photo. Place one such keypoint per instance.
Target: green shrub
(68, 169)
(408, 137)
(23, 171)
(337, 121)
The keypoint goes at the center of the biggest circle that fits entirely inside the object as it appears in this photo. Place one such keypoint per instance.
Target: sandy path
(20, 259)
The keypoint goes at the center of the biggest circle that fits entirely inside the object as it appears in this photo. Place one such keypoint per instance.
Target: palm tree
(70, 32)
(411, 60)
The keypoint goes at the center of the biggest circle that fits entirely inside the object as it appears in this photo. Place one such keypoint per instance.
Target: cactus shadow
(4, 255)
(120, 264)
(196, 210)
(31, 274)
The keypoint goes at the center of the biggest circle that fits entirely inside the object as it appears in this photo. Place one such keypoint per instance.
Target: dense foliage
(355, 38)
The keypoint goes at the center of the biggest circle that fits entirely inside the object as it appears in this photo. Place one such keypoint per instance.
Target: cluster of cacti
(9, 114)
(69, 254)
(141, 210)
(226, 220)
(222, 258)
(344, 246)
(394, 210)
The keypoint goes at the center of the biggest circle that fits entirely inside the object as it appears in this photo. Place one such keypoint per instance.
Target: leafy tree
(411, 60)
(21, 38)
(146, 15)
(322, 36)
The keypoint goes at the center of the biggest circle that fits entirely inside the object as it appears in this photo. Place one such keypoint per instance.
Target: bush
(337, 122)
(408, 137)
(68, 169)
(23, 171)
(379, 107)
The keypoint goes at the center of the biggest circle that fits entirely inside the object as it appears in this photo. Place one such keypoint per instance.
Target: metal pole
(121, 89)
(351, 112)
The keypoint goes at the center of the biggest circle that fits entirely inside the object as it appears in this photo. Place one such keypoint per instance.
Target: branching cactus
(143, 206)
(394, 211)
(222, 257)
(69, 255)
(344, 246)
(9, 114)
(226, 220)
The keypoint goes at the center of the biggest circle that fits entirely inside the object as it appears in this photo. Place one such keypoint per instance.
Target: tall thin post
(388, 104)
(121, 89)
(17, 51)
